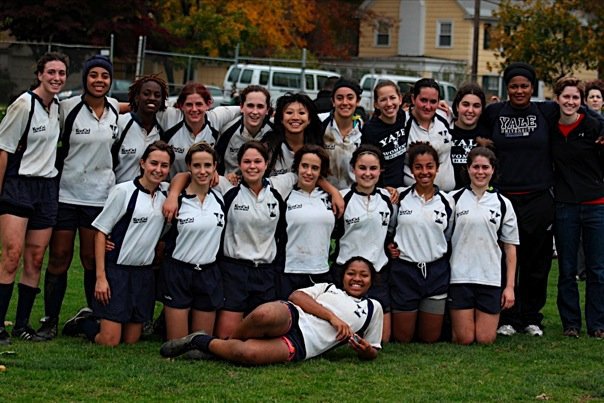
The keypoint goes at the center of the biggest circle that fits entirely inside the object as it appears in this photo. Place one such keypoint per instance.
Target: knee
(59, 260)
(11, 255)
(486, 338)
(105, 339)
(463, 339)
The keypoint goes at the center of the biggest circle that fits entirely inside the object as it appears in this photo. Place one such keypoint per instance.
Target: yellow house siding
(448, 11)
(384, 9)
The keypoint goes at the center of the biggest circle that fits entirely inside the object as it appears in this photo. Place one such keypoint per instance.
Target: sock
(89, 284)
(90, 327)
(54, 293)
(27, 296)
(6, 292)
(202, 342)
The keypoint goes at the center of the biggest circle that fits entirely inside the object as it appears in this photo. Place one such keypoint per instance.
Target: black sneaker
(176, 347)
(27, 333)
(71, 327)
(49, 328)
(4, 337)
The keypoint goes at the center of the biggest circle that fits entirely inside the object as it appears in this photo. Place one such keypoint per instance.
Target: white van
(277, 80)
(405, 83)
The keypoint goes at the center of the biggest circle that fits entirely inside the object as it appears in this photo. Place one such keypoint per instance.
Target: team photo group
(276, 230)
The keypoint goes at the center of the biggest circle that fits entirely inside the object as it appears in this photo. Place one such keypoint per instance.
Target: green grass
(516, 368)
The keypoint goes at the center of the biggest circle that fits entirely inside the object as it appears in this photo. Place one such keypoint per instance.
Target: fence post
(139, 57)
(302, 78)
(111, 45)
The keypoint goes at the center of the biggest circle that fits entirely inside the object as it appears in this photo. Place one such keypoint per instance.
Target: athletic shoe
(598, 334)
(196, 355)
(571, 332)
(533, 330)
(49, 328)
(4, 337)
(176, 347)
(71, 327)
(27, 333)
(506, 330)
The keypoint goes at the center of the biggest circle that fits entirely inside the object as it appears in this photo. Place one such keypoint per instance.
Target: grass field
(517, 368)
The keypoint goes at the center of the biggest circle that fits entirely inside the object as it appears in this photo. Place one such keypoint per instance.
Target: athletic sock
(89, 284)
(202, 342)
(90, 327)
(54, 293)
(27, 297)
(6, 292)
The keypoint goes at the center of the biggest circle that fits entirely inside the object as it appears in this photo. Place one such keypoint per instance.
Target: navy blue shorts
(485, 298)
(293, 337)
(185, 286)
(380, 286)
(408, 286)
(246, 286)
(33, 198)
(289, 282)
(73, 216)
(132, 294)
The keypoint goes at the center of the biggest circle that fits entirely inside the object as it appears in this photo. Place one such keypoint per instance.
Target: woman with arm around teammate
(483, 220)
(28, 189)
(420, 273)
(578, 146)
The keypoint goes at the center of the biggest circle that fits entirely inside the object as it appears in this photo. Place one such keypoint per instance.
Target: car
(119, 91)
(217, 97)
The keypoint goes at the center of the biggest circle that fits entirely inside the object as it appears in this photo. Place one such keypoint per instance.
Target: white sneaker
(533, 330)
(506, 330)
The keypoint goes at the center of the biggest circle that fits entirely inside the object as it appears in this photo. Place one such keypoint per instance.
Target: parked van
(405, 83)
(277, 80)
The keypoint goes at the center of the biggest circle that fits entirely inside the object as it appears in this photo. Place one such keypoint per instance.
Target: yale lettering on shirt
(219, 219)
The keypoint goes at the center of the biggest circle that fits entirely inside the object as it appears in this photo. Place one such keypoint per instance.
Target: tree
(554, 36)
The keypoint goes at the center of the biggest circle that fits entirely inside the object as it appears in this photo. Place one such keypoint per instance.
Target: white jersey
(135, 142)
(181, 137)
(284, 163)
(320, 336)
(134, 220)
(85, 153)
(479, 225)
(309, 222)
(195, 238)
(28, 118)
(253, 223)
(340, 149)
(440, 138)
(423, 227)
(363, 228)
(232, 137)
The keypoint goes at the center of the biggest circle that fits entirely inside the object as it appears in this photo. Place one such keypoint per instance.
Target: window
(310, 82)
(263, 78)
(445, 34)
(321, 81)
(246, 76)
(289, 80)
(490, 84)
(368, 84)
(234, 74)
(382, 34)
(486, 37)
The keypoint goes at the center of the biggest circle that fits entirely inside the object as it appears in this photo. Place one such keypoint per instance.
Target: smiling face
(468, 111)
(155, 169)
(344, 102)
(424, 170)
(254, 109)
(569, 101)
(425, 104)
(295, 118)
(149, 98)
(594, 100)
(480, 171)
(53, 77)
(309, 171)
(356, 279)
(367, 172)
(98, 82)
(194, 108)
(252, 166)
(202, 168)
(388, 102)
(520, 90)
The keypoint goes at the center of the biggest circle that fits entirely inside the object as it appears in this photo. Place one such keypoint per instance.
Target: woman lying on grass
(313, 321)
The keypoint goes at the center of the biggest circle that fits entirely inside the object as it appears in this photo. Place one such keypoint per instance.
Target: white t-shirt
(340, 149)
(237, 135)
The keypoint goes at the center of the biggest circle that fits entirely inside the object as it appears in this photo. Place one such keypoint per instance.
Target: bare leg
(131, 332)
(403, 326)
(429, 327)
(61, 251)
(272, 319)
(486, 327)
(203, 321)
(462, 321)
(253, 351)
(110, 334)
(36, 242)
(227, 322)
(12, 236)
(177, 322)
(387, 327)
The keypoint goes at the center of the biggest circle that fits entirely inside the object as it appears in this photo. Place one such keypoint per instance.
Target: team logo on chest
(494, 216)
(219, 219)
(385, 217)
(327, 203)
(272, 209)
(439, 216)
(360, 311)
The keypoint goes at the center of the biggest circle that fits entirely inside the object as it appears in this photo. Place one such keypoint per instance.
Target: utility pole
(475, 40)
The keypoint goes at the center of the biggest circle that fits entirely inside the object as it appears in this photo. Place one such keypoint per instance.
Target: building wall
(387, 10)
